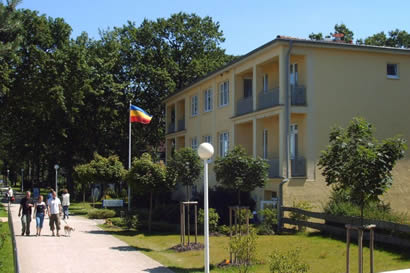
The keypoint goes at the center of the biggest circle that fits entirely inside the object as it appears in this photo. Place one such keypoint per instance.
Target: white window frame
(293, 133)
(208, 139)
(294, 74)
(194, 143)
(397, 76)
(265, 143)
(265, 83)
(223, 144)
(194, 105)
(208, 102)
(224, 94)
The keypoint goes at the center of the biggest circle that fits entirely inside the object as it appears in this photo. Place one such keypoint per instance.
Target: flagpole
(129, 155)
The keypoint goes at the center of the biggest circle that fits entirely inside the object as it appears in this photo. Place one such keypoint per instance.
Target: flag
(139, 115)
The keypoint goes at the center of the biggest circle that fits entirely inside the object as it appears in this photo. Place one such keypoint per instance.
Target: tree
(316, 36)
(9, 27)
(240, 172)
(84, 175)
(396, 38)
(107, 170)
(348, 34)
(184, 167)
(356, 162)
(148, 177)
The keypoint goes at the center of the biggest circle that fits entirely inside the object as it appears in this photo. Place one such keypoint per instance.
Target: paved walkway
(89, 249)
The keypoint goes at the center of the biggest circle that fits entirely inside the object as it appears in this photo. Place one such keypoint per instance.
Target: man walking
(54, 212)
(25, 205)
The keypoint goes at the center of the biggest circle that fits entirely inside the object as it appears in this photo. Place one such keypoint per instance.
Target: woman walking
(40, 209)
(65, 203)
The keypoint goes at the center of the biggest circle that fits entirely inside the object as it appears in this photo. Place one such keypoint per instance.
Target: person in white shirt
(54, 213)
(9, 194)
(66, 203)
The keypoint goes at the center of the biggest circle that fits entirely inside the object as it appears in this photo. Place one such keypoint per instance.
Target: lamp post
(205, 152)
(8, 175)
(22, 179)
(56, 168)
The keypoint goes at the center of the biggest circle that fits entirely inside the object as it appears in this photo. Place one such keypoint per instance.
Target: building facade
(328, 84)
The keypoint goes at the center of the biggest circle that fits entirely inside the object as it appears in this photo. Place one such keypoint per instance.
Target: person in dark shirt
(25, 205)
(40, 210)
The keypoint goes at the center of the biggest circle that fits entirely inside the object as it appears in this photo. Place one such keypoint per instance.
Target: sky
(246, 24)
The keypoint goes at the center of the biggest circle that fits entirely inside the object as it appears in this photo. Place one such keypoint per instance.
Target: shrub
(213, 219)
(109, 194)
(287, 262)
(101, 213)
(224, 230)
(131, 222)
(243, 248)
(118, 222)
(304, 205)
(270, 220)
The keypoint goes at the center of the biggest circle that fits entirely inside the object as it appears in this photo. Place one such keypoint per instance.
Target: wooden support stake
(348, 250)
(196, 225)
(371, 250)
(360, 243)
(180, 223)
(183, 225)
(230, 233)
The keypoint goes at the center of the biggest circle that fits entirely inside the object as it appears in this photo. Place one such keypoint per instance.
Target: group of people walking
(54, 208)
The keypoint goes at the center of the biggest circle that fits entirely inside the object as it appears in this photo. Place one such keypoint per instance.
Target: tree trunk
(83, 194)
(361, 213)
(150, 213)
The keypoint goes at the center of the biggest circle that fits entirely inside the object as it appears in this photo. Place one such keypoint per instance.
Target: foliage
(395, 38)
(270, 220)
(240, 172)
(213, 219)
(316, 36)
(303, 205)
(148, 177)
(10, 27)
(184, 168)
(243, 248)
(355, 161)
(348, 34)
(287, 262)
(339, 204)
(107, 170)
(109, 194)
(223, 229)
(131, 222)
(101, 213)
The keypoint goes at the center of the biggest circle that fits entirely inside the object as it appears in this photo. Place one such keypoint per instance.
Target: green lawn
(323, 254)
(6, 251)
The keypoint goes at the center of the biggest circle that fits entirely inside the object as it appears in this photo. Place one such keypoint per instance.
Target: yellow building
(244, 103)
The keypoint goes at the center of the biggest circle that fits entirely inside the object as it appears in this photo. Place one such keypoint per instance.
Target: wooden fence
(338, 222)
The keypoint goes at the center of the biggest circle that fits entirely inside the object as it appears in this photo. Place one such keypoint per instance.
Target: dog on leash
(68, 230)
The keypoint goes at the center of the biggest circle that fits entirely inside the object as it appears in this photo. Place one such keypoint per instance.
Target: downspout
(287, 122)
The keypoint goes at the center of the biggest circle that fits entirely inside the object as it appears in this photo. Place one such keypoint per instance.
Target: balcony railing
(273, 167)
(268, 99)
(298, 95)
(298, 167)
(244, 105)
(181, 124)
(171, 128)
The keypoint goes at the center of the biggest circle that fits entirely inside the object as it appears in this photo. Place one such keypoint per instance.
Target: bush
(109, 194)
(101, 213)
(303, 205)
(213, 219)
(270, 221)
(243, 248)
(131, 222)
(288, 262)
(224, 230)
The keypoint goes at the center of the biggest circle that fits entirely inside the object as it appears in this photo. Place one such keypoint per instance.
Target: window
(265, 144)
(194, 143)
(208, 100)
(247, 88)
(194, 105)
(224, 93)
(293, 141)
(265, 83)
(294, 74)
(208, 139)
(392, 71)
(223, 144)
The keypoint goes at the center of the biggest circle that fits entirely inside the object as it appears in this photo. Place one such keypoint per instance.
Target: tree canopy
(240, 172)
(357, 163)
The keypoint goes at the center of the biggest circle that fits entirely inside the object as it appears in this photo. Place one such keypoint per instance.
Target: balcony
(244, 105)
(273, 171)
(298, 95)
(171, 128)
(298, 167)
(268, 98)
(181, 124)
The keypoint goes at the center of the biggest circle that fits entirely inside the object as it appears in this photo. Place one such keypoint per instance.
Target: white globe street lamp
(205, 152)
(56, 168)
